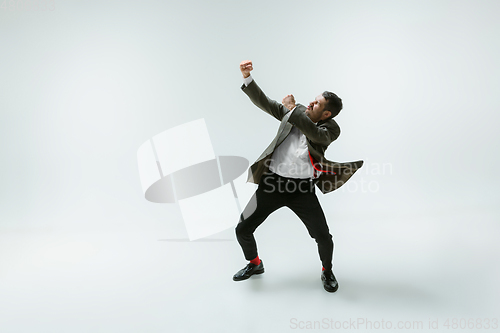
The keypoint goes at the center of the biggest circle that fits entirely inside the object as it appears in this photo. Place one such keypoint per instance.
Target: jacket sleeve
(257, 96)
(323, 134)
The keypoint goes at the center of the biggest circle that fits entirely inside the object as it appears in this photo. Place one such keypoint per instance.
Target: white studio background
(84, 84)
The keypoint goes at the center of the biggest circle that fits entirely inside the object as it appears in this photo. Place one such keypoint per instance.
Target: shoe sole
(246, 278)
(332, 291)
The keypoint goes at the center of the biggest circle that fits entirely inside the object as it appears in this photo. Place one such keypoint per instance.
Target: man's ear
(326, 114)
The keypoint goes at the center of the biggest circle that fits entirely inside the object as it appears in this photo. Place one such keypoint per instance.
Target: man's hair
(333, 103)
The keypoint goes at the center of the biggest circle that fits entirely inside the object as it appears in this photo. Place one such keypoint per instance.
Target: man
(288, 170)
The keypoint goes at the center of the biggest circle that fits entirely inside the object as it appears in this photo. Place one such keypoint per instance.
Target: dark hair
(333, 103)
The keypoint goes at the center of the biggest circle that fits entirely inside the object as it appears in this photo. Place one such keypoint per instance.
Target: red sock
(255, 261)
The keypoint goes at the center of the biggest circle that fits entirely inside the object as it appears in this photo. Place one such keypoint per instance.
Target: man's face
(316, 108)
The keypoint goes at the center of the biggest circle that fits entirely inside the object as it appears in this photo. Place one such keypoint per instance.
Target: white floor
(406, 272)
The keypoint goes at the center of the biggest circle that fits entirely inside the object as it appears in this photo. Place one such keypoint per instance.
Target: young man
(288, 170)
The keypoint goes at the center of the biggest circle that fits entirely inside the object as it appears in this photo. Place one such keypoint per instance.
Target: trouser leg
(263, 203)
(308, 209)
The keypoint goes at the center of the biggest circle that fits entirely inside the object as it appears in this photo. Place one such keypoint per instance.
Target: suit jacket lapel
(284, 130)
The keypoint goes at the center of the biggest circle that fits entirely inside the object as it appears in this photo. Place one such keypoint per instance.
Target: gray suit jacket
(319, 136)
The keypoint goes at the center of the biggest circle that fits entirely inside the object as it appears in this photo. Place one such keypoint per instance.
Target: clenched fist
(246, 67)
(289, 102)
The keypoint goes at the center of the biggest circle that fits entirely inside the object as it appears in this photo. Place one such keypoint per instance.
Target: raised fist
(288, 102)
(246, 67)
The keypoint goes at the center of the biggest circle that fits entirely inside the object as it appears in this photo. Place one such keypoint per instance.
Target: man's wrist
(247, 80)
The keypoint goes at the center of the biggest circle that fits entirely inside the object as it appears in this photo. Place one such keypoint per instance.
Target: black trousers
(299, 195)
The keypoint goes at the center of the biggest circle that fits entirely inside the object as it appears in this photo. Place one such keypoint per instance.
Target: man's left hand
(288, 102)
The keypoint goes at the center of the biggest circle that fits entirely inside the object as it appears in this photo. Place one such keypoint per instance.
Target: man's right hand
(246, 67)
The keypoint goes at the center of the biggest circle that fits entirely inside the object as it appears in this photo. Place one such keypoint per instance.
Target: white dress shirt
(291, 158)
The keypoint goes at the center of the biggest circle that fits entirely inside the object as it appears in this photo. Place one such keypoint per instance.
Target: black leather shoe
(329, 281)
(248, 271)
